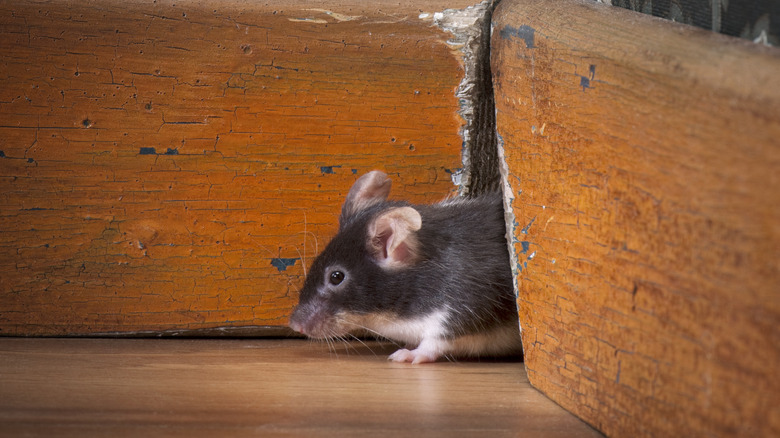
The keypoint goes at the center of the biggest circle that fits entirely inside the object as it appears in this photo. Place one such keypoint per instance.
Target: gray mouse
(434, 277)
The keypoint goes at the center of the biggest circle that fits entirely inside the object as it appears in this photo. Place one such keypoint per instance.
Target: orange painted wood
(644, 161)
(174, 165)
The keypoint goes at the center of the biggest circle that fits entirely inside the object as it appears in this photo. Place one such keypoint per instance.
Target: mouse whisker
(341, 339)
(378, 335)
(362, 343)
(331, 346)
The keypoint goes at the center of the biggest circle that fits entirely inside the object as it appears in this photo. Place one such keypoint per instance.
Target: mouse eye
(336, 277)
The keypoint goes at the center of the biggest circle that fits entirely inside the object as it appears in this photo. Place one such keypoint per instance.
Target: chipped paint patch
(282, 264)
(336, 16)
(585, 81)
(509, 215)
(308, 20)
(329, 170)
(528, 227)
(524, 32)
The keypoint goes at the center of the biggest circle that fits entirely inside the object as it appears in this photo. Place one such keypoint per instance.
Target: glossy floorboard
(261, 387)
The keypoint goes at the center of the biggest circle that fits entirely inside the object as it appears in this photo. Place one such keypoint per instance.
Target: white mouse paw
(414, 356)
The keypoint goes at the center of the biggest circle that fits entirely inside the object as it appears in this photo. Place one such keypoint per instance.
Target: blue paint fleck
(524, 32)
(528, 227)
(36, 209)
(354, 171)
(282, 264)
(147, 151)
(30, 160)
(584, 82)
(172, 151)
(526, 245)
(328, 169)
(2, 154)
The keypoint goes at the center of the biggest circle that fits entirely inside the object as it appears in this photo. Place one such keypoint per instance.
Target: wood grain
(174, 165)
(644, 161)
(91, 387)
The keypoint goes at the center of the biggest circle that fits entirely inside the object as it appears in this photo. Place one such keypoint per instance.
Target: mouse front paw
(414, 356)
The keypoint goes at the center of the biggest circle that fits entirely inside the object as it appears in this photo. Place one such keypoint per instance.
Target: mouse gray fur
(434, 277)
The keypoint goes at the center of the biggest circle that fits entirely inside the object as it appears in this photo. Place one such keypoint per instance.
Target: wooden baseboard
(174, 165)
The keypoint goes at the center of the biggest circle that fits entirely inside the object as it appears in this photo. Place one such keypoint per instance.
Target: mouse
(435, 278)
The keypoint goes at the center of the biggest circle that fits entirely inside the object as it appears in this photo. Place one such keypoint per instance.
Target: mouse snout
(296, 326)
(296, 321)
(314, 321)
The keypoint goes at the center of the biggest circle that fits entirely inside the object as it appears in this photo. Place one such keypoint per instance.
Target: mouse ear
(392, 239)
(368, 190)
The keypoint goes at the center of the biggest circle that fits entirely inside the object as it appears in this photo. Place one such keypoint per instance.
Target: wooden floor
(261, 387)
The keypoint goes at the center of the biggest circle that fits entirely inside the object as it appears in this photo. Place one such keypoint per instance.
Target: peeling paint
(282, 264)
(328, 170)
(585, 81)
(308, 20)
(528, 227)
(153, 151)
(509, 215)
(524, 32)
(336, 16)
(468, 28)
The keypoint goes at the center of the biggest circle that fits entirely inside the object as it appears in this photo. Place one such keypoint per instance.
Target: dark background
(756, 20)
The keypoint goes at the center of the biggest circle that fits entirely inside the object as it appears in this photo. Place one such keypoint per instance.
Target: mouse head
(375, 238)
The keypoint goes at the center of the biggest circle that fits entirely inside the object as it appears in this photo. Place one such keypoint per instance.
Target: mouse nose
(295, 322)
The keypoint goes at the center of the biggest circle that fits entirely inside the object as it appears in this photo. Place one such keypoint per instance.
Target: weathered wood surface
(644, 162)
(172, 165)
